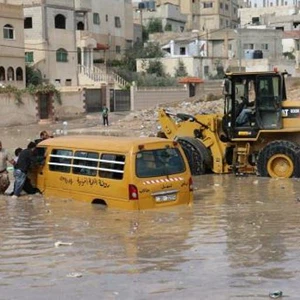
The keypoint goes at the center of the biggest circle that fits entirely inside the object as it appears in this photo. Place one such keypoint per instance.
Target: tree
(150, 50)
(154, 25)
(33, 76)
(168, 27)
(156, 67)
(180, 70)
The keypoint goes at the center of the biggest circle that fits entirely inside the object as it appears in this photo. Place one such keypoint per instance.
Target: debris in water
(59, 243)
(74, 275)
(276, 294)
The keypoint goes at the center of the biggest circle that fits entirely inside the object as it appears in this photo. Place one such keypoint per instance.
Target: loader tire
(198, 156)
(279, 159)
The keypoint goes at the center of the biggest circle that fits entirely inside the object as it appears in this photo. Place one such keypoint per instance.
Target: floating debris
(74, 275)
(59, 243)
(276, 294)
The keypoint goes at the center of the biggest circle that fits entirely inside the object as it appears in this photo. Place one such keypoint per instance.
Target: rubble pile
(145, 122)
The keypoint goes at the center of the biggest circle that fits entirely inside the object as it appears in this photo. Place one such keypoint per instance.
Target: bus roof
(98, 142)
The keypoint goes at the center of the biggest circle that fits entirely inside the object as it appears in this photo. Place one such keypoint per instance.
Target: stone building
(207, 14)
(12, 62)
(63, 37)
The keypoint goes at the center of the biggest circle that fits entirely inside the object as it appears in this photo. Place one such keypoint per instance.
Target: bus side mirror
(227, 88)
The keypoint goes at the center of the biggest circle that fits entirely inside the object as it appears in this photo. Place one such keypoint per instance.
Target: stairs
(95, 77)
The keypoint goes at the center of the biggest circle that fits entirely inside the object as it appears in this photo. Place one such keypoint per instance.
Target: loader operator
(243, 111)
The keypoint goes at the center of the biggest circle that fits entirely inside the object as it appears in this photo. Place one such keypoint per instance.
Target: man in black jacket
(25, 161)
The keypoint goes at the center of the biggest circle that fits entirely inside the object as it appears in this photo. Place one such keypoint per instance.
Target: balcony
(83, 5)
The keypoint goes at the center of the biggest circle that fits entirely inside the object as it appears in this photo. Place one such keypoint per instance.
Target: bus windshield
(159, 162)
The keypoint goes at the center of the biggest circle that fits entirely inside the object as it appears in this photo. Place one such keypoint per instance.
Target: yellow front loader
(258, 133)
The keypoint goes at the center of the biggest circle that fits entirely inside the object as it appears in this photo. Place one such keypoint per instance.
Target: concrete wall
(72, 104)
(149, 98)
(25, 113)
(17, 114)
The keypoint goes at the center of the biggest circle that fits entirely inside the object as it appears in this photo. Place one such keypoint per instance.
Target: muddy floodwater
(240, 240)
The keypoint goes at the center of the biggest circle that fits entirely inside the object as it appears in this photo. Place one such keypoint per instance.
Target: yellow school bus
(119, 172)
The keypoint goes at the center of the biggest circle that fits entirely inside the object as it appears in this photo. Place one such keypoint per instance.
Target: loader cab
(252, 103)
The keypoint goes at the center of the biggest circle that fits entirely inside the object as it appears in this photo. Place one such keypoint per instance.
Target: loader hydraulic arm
(179, 124)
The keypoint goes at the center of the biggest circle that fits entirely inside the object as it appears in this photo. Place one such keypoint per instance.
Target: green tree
(154, 25)
(33, 76)
(168, 27)
(150, 50)
(180, 70)
(156, 67)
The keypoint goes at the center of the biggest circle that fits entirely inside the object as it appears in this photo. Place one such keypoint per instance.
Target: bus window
(85, 163)
(112, 166)
(60, 161)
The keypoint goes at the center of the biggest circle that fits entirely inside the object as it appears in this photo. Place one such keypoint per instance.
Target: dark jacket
(25, 160)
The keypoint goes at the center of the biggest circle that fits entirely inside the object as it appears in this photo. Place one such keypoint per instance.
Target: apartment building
(205, 15)
(271, 3)
(170, 15)
(12, 62)
(61, 35)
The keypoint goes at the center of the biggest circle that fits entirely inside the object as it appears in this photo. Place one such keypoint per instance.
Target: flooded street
(240, 240)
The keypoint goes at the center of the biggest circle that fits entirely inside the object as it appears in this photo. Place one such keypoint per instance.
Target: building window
(106, 18)
(19, 74)
(234, 11)
(28, 23)
(182, 51)
(221, 5)
(96, 18)
(226, 6)
(118, 49)
(2, 74)
(117, 22)
(207, 4)
(265, 46)
(229, 47)
(68, 82)
(60, 22)
(206, 70)
(28, 57)
(61, 55)
(10, 74)
(248, 46)
(8, 32)
(80, 26)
